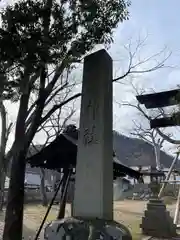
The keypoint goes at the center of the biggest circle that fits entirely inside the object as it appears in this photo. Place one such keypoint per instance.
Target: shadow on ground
(28, 233)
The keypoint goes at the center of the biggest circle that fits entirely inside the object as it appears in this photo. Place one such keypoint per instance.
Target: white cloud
(3, 3)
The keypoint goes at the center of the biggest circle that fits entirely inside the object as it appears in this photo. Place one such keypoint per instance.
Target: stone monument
(157, 221)
(93, 199)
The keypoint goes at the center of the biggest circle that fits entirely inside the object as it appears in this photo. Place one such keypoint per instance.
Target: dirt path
(135, 208)
(127, 212)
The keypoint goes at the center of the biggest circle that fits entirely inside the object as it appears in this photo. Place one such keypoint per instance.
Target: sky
(158, 22)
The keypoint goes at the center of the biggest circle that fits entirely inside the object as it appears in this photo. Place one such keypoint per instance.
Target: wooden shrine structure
(61, 155)
(160, 100)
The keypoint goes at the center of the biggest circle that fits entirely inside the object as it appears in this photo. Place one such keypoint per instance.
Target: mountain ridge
(137, 152)
(131, 152)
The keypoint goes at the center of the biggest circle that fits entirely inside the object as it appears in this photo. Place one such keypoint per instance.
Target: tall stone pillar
(93, 198)
(94, 170)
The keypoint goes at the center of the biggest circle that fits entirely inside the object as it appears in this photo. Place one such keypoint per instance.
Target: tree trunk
(157, 155)
(43, 188)
(13, 228)
(2, 152)
(2, 191)
(14, 212)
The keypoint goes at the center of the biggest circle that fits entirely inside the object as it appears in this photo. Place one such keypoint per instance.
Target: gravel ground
(28, 234)
(1, 229)
(33, 216)
(127, 212)
(29, 228)
(152, 238)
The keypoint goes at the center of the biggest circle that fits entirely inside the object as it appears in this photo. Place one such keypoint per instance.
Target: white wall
(30, 178)
(119, 187)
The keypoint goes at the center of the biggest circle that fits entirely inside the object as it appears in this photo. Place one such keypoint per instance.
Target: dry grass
(36, 213)
(168, 200)
(135, 230)
(126, 212)
(130, 213)
(123, 213)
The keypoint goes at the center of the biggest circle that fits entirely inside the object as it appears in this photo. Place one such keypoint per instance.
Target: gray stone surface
(78, 229)
(154, 238)
(94, 171)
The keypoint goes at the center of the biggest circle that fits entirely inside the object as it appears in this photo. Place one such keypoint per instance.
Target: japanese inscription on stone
(90, 136)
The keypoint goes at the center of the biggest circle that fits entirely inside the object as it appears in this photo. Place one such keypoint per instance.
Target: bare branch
(66, 120)
(8, 131)
(133, 68)
(53, 125)
(167, 138)
(56, 92)
(54, 108)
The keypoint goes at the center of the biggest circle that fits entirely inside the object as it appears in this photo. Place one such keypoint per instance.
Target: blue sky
(161, 18)
(158, 20)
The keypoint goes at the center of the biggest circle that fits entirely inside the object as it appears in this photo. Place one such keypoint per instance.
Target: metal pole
(67, 175)
(176, 215)
(171, 181)
(168, 175)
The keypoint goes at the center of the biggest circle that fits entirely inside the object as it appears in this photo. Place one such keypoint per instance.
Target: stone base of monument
(157, 221)
(79, 229)
(157, 238)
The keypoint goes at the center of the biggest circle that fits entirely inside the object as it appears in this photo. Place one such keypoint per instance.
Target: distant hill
(130, 151)
(136, 152)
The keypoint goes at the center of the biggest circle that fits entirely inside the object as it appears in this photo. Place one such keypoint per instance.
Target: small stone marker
(94, 171)
(157, 221)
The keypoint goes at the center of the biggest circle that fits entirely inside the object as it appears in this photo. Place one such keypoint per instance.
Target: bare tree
(168, 138)
(51, 128)
(53, 125)
(43, 188)
(136, 64)
(152, 137)
(35, 76)
(4, 138)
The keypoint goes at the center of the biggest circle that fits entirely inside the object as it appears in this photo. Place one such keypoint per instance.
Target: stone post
(93, 198)
(94, 170)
